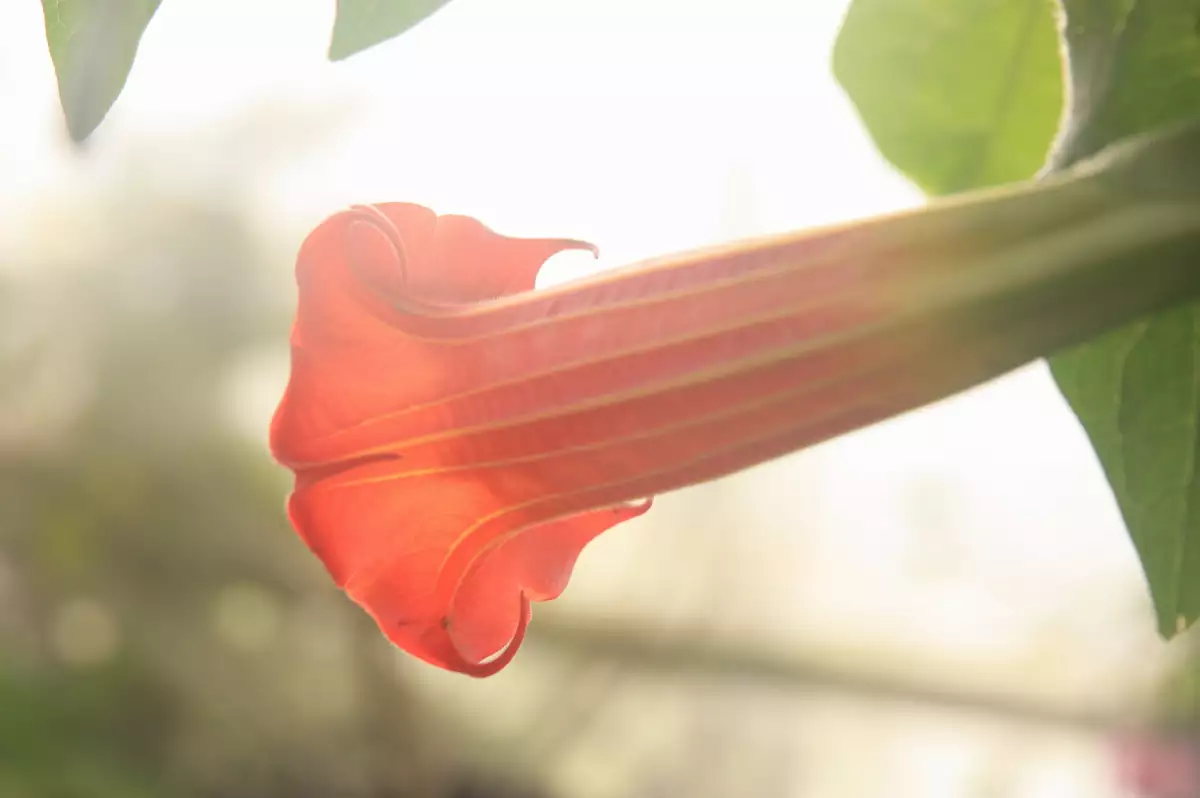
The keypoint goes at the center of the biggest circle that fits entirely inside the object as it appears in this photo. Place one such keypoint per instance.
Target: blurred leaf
(144, 503)
(1137, 390)
(364, 23)
(82, 733)
(93, 44)
(957, 94)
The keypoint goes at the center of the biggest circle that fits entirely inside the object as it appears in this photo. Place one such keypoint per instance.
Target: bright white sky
(647, 126)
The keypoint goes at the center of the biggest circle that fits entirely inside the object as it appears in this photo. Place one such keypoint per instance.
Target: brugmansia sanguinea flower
(458, 437)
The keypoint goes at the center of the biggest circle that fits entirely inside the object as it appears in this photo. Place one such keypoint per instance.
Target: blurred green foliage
(957, 95)
(93, 44)
(162, 630)
(364, 23)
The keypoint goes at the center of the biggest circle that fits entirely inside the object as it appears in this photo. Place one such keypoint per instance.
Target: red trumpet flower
(458, 437)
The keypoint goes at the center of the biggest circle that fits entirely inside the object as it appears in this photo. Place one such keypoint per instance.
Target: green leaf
(957, 94)
(364, 23)
(93, 44)
(1136, 67)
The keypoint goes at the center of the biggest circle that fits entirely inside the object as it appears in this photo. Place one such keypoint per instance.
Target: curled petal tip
(500, 660)
(588, 246)
(374, 253)
(566, 244)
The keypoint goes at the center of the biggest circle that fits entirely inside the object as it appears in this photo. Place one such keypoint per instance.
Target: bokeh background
(942, 605)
